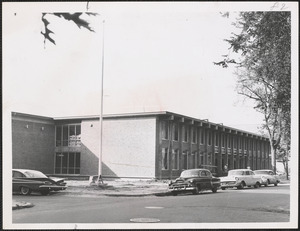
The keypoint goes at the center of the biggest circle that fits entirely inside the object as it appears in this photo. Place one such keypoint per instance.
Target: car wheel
(223, 188)
(174, 193)
(196, 191)
(25, 190)
(242, 185)
(256, 185)
(267, 183)
(214, 189)
(45, 192)
(275, 184)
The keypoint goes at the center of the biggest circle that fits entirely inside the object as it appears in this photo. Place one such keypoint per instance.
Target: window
(185, 134)
(194, 134)
(228, 141)
(193, 160)
(217, 139)
(164, 130)
(209, 137)
(67, 163)
(175, 132)
(201, 136)
(175, 159)
(185, 160)
(223, 140)
(165, 159)
(68, 135)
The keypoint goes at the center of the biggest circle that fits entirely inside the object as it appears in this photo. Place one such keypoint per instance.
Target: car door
(17, 180)
(248, 178)
(205, 179)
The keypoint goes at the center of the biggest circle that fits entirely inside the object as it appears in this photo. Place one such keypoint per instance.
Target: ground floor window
(165, 159)
(185, 160)
(67, 163)
(175, 159)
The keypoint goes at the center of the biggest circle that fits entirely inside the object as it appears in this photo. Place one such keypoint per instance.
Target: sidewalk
(118, 188)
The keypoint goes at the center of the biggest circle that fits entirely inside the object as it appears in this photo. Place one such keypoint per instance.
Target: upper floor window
(68, 135)
(164, 130)
(185, 134)
(175, 132)
(201, 136)
(223, 140)
(217, 139)
(194, 134)
(209, 138)
(165, 159)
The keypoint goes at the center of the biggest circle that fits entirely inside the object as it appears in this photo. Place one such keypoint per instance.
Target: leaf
(75, 17)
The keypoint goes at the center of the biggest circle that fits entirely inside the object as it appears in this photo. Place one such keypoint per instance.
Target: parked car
(240, 178)
(194, 180)
(26, 181)
(267, 177)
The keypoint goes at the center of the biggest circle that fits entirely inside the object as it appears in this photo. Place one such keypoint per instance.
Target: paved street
(265, 204)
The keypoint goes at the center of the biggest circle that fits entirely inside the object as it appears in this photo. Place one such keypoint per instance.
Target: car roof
(196, 169)
(243, 169)
(263, 170)
(24, 170)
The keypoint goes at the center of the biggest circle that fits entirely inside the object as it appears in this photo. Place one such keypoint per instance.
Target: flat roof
(141, 114)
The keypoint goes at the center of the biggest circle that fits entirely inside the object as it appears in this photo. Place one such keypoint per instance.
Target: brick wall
(33, 144)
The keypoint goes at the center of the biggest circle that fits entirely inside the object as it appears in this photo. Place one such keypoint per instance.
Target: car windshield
(235, 172)
(190, 173)
(263, 172)
(35, 174)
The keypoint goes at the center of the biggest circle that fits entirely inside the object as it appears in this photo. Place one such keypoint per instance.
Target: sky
(157, 57)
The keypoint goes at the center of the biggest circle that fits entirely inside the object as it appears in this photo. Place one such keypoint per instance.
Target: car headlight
(236, 178)
(263, 178)
(47, 182)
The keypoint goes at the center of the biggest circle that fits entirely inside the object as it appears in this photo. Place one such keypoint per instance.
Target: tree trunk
(273, 159)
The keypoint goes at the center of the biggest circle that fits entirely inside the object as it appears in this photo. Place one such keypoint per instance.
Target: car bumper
(230, 184)
(181, 188)
(52, 188)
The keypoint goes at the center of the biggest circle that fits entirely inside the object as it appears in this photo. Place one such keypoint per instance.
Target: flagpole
(101, 113)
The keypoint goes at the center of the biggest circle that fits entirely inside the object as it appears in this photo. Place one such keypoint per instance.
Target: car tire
(267, 183)
(25, 190)
(45, 192)
(223, 188)
(174, 193)
(275, 184)
(256, 185)
(214, 189)
(242, 185)
(196, 191)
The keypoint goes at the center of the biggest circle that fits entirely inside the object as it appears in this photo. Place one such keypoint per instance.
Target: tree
(75, 17)
(264, 71)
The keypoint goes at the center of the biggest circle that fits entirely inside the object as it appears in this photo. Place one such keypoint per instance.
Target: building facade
(142, 145)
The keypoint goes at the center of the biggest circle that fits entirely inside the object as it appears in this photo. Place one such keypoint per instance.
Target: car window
(17, 174)
(248, 173)
(208, 173)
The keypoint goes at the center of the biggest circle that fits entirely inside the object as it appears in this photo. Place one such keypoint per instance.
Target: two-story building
(141, 145)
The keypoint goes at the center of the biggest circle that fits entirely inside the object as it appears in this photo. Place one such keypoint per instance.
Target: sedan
(267, 177)
(26, 181)
(194, 180)
(240, 178)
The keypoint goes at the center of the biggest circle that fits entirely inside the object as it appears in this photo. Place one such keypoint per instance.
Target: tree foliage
(75, 17)
(264, 70)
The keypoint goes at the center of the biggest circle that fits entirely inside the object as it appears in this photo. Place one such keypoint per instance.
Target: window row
(188, 160)
(68, 135)
(170, 131)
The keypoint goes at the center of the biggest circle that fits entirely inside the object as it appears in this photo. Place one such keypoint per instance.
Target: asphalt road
(265, 204)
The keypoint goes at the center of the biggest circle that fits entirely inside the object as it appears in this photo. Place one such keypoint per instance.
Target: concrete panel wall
(90, 136)
(129, 147)
(33, 145)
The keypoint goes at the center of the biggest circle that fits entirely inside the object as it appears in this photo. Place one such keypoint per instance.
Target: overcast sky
(158, 57)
